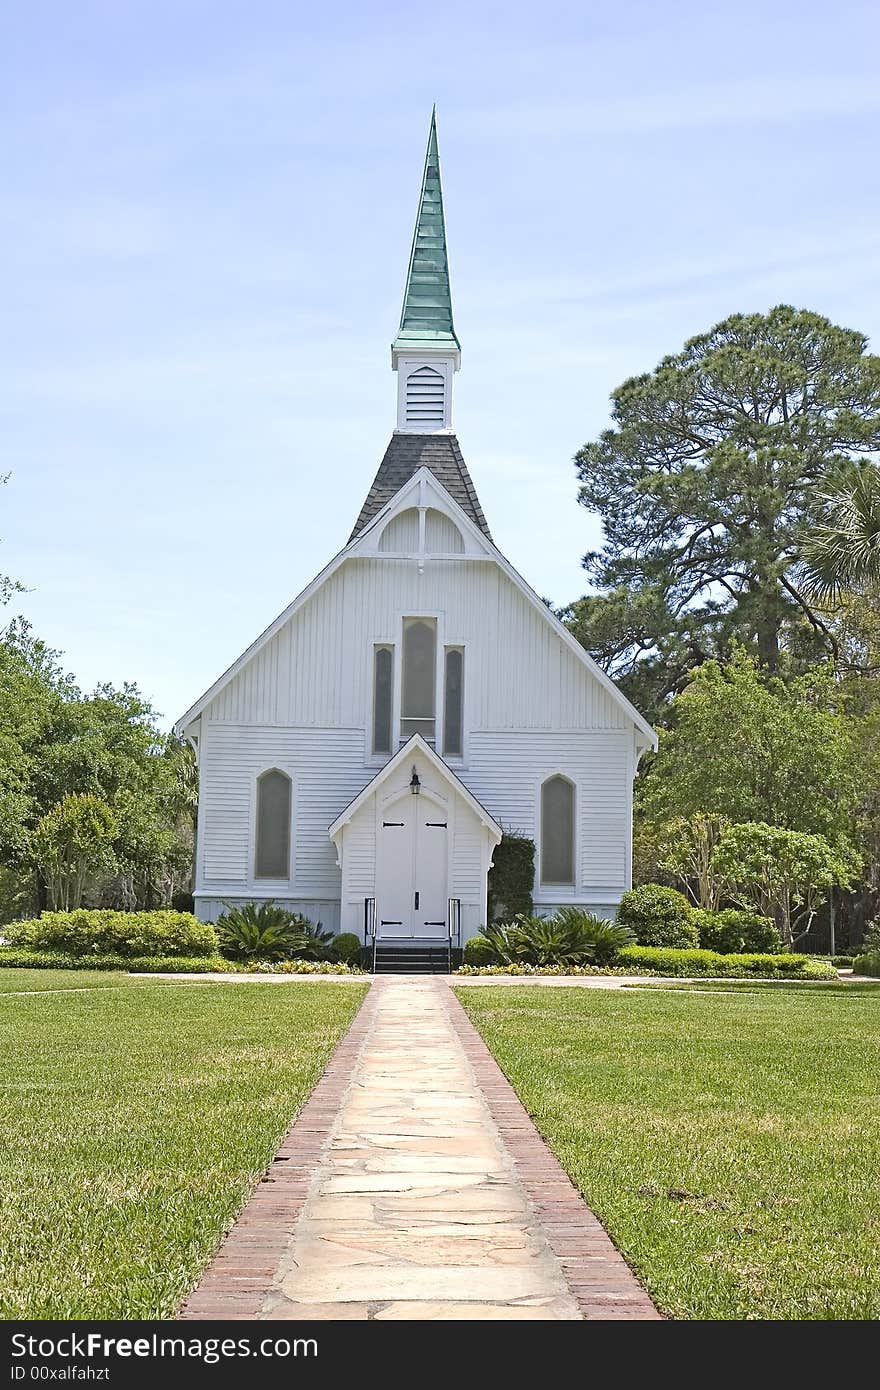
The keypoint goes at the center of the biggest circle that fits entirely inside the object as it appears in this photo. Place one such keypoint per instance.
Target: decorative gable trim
(417, 744)
(421, 485)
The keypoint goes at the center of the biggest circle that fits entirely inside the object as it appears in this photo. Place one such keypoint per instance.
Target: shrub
(102, 931)
(871, 939)
(783, 965)
(478, 951)
(658, 916)
(511, 877)
(346, 947)
(14, 957)
(868, 964)
(268, 932)
(21, 958)
(842, 962)
(571, 937)
(599, 939)
(735, 931)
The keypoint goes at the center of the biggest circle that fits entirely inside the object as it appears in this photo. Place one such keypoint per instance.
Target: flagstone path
(414, 1186)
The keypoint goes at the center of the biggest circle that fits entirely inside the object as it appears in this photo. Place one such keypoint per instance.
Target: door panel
(394, 877)
(430, 880)
(411, 864)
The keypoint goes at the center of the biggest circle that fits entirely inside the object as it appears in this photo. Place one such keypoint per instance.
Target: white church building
(361, 761)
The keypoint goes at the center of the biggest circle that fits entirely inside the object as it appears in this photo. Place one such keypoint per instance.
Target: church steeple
(426, 351)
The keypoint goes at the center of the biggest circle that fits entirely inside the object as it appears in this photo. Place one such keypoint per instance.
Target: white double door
(411, 870)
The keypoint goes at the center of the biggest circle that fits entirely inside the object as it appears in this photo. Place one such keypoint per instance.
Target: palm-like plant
(844, 551)
(269, 932)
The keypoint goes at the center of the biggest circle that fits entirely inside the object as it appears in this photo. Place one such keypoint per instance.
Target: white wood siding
(317, 670)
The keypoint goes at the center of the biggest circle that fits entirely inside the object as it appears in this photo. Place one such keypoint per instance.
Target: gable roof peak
(426, 316)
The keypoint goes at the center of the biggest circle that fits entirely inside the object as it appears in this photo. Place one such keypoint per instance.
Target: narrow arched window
(272, 855)
(557, 831)
(383, 698)
(418, 693)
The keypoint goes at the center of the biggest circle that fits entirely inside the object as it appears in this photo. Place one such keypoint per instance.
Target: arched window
(557, 831)
(272, 850)
(418, 694)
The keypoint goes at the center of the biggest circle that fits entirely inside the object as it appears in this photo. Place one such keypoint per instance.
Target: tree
(707, 483)
(785, 874)
(56, 742)
(72, 843)
(687, 846)
(843, 551)
(750, 748)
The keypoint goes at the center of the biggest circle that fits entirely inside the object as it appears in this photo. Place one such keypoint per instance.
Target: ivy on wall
(512, 877)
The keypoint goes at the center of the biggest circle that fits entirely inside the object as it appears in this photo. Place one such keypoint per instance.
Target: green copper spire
(426, 319)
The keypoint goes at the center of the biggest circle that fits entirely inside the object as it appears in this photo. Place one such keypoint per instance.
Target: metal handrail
(453, 923)
(370, 927)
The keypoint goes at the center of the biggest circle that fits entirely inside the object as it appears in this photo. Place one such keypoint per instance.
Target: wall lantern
(415, 785)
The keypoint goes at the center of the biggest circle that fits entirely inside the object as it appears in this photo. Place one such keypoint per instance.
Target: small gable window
(418, 687)
(383, 697)
(557, 831)
(272, 856)
(453, 702)
(426, 398)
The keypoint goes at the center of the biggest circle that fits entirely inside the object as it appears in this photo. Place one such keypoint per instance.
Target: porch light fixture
(415, 785)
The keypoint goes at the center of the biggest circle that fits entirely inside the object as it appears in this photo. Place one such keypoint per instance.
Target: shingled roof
(405, 455)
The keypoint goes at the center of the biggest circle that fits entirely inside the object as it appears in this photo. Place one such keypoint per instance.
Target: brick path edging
(599, 1278)
(241, 1273)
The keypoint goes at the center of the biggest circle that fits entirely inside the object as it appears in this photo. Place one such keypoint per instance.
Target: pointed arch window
(272, 847)
(557, 831)
(418, 695)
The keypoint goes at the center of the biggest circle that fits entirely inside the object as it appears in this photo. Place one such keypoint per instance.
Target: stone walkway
(414, 1186)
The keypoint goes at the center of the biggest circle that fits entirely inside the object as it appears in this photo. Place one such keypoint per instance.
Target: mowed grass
(46, 981)
(133, 1122)
(729, 1142)
(762, 986)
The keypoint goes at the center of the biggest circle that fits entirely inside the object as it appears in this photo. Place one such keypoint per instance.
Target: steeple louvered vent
(426, 399)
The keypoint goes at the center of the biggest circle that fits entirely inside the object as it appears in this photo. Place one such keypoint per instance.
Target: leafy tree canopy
(707, 483)
(750, 748)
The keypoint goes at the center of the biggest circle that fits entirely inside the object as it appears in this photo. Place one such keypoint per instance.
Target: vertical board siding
(315, 670)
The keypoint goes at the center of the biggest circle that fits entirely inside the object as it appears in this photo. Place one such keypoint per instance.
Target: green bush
(266, 931)
(571, 937)
(842, 962)
(478, 951)
(20, 958)
(658, 916)
(346, 947)
(868, 964)
(17, 958)
(102, 931)
(783, 965)
(733, 931)
(599, 940)
(511, 878)
(871, 939)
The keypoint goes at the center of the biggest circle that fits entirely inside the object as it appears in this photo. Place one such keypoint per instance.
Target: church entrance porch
(414, 850)
(412, 870)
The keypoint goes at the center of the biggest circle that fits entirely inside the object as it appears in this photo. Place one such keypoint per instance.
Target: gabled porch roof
(416, 744)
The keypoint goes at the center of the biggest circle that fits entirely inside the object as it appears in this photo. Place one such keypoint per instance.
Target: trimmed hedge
(666, 961)
(842, 962)
(868, 964)
(511, 878)
(102, 931)
(658, 916)
(16, 958)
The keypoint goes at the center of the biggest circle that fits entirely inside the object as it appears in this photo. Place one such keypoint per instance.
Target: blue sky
(205, 217)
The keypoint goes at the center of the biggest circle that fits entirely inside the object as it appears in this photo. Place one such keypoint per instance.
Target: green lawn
(762, 986)
(729, 1142)
(16, 981)
(134, 1120)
